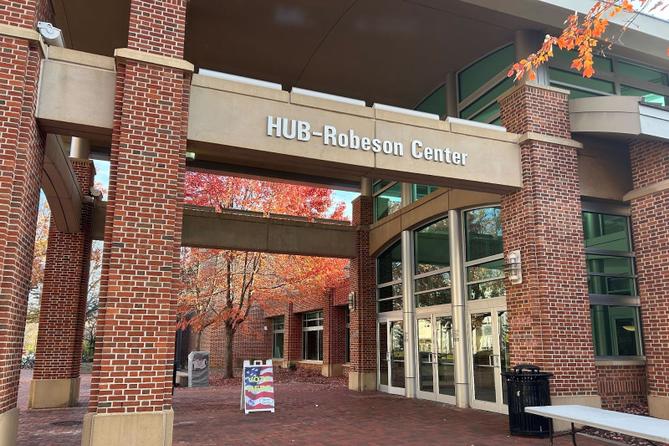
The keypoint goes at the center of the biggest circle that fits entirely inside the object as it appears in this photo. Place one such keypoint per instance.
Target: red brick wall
(549, 313)
(63, 301)
(135, 346)
(621, 386)
(650, 228)
(21, 155)
(292, 337)
(363, 282)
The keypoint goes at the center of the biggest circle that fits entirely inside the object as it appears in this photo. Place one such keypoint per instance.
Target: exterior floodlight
(513, 267)
(351, 300)
(51, 34)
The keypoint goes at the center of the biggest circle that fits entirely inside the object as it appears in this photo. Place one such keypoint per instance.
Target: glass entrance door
(436, 366)
(489, 352)
(391, 356)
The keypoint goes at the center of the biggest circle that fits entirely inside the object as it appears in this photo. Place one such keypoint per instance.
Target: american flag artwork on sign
(258, 387)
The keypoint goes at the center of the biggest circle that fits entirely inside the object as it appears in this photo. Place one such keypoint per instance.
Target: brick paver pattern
(307, 414)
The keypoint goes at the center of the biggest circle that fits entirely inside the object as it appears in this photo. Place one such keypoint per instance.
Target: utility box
(527, 386)
(198, 369)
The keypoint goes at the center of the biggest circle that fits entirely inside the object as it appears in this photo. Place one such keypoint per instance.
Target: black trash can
(527, 386)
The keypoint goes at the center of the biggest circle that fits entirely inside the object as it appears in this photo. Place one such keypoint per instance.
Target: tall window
(312, 336)
(484, 253)
(612, 284)
(613, 75)
(435, 103)
(419, 191)
(348, 335)
(432, 268)
(389, 278)
(387, 198)
(277, 337)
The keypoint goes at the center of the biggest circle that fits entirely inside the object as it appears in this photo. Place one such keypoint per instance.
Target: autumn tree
(586, 33)
(219, 287)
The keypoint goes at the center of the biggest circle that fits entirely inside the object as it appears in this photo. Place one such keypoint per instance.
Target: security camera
(51, 34)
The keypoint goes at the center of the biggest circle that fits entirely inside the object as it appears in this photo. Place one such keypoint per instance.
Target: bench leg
(573, 434)
(550, 431)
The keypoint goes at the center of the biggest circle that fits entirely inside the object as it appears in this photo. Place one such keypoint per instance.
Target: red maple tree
(219, 287)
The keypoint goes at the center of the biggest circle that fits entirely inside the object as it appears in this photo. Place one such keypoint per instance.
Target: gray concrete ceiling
(389, 51)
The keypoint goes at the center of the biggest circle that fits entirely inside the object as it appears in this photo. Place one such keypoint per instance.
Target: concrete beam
(250, 231)
(60, 185)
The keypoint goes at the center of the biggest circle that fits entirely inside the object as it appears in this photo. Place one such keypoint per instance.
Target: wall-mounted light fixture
(352, 300)
(513, 267)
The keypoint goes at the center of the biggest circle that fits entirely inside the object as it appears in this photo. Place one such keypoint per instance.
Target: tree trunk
(199, 340)
(227, 352)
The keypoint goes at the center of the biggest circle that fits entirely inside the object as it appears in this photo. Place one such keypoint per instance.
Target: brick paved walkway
(307, 414)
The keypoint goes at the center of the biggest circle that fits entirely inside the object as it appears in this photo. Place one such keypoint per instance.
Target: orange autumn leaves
(219, 287)
(583, 34)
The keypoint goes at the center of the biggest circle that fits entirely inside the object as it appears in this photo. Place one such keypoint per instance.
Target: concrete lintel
(531, 84)
(155, 59)
(660, 186)
(128, 429)
(533, 136)
(19, 32)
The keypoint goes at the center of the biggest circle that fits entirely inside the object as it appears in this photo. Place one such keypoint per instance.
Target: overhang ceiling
(389, 51)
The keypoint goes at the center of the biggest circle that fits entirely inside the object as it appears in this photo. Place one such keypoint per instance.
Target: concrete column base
(128, 429)
(582, 400)
(330, 370)
(361, 381)
(53, 393)
(658, 406)
(9, 426)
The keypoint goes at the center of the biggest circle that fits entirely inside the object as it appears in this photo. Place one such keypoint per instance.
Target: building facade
(498, 223)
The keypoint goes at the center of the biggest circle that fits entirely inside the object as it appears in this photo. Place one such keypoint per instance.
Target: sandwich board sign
(257, 387)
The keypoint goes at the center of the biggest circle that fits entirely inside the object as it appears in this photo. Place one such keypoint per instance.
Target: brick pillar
(362, 374)
(334, 337)
(650, 229)
(62, 316)
(21, 156)
(549, 313)
(131, 388)
(292, 337)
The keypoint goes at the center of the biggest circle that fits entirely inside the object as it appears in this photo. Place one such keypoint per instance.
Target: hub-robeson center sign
(294, 129)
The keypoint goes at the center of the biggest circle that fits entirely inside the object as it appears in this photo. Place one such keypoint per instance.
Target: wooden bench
(651, 429)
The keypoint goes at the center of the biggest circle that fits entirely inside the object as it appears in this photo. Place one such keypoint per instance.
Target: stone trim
(620, 362)
(647, 190)
(520, 85)
(533, 136)
(20, 33)
(155, 59)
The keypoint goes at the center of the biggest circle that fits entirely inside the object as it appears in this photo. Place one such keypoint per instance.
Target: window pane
(472, 78)
(487, 115)
(422, 190)
(485, 99)
(647, 96)
(435, 103)
(390, 291)
(483, 232)
(440, 297)
(390, 305)
(277, 350)
(603, 231)
(486, 290)
(380, 184)
(389, 264)
(277, 323)
(565, 58)
(486, 271)
(442, 280)
(610, 275)
(577, 80)
(641, 73)
(432, 247)
(388, 202)
(616, 330)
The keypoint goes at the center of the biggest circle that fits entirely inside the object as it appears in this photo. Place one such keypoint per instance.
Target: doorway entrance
(436, 359)
(391, 356)
(489, 353)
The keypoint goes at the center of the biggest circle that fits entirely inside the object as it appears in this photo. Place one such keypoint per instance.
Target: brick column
(62, 316)
(131, 389)
(650, 229)
(292, 337)
(21, 156)
(334, 337)
(549, 313)
(362, 374)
